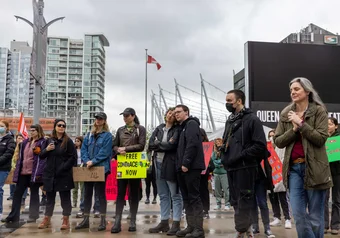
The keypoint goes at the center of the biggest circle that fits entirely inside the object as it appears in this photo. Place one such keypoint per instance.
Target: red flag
(22, 126)
(151, 60)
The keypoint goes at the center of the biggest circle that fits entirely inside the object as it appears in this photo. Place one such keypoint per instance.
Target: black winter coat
(244, 141)
(58, 175)
(190, 149)
(266, 173)
(335, 166)
(7, 147)
(168, 169)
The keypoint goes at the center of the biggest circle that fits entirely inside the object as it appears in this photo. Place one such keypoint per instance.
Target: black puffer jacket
(190, 149)
(244, 141)
(335, 166)
(58, 174)
(7, 147)
(168, 169)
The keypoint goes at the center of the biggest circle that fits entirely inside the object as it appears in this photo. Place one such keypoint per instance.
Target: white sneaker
(227, 207)
(288, 224)
(217, 207)
(276, 222)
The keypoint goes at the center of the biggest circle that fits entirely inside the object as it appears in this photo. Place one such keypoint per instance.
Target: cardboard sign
(112, 184)
(208, 148)
(333, 148)
(132, 165)
(93, 174)
(275, 163)
(9, 179)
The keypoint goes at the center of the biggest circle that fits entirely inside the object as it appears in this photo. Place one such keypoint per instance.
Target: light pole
(78, 114)
(39, 30)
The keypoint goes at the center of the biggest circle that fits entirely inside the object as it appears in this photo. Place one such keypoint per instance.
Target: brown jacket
(314, 132)
(133, 141)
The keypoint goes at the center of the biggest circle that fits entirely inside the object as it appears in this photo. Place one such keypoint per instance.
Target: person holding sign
(163, 142)
(96, 151)
(129, 138)
(60, 155)
(335, 171)
(303, 131)
(189, 164)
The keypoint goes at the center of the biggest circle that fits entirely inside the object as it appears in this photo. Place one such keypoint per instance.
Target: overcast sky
(187, 37)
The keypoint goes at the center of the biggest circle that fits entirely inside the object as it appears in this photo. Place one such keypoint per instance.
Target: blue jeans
(261, 202)
(168, 190)
(308, 224)
(3, 177)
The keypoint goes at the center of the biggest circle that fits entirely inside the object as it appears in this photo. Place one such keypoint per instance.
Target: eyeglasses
(178, 112)
(61, 125)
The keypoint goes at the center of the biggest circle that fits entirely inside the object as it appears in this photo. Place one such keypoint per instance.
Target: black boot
(163, 226)
(189, 229)
(174, 228)
(117, 227)
(84, 224)
(132, 226)
(198, 231)
(102, 224)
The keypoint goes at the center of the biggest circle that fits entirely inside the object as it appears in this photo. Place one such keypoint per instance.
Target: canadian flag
(151, 60)
(22, 126)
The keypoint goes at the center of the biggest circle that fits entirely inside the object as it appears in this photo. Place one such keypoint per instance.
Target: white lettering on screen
(268, 116)
(335, 115)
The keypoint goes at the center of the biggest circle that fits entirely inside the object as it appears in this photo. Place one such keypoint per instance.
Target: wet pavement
(220, 224)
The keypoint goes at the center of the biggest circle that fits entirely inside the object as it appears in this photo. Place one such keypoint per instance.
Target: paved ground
(220, 224)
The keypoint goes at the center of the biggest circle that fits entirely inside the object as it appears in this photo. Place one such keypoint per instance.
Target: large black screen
(273, 65)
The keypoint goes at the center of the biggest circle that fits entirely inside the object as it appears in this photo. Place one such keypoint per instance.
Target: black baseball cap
(101, 115)
(128, 111)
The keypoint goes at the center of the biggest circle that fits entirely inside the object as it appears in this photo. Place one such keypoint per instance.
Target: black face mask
(230, 107)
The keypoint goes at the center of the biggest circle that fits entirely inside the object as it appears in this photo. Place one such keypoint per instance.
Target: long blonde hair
(95, 129)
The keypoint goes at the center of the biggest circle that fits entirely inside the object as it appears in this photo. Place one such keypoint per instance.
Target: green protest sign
(333, 148)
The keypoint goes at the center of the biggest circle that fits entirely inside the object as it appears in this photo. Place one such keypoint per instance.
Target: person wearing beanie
(61, 156)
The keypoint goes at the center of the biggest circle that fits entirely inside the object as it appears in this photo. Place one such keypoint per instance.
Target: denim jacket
(98, 150)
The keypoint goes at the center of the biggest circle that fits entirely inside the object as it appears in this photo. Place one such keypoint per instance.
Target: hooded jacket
(314, 133)
(38, 164)
(169, 148)
(190, 149)
(244, 141)
(7, 147)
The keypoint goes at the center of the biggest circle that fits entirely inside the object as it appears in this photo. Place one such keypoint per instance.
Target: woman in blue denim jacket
(96, 151)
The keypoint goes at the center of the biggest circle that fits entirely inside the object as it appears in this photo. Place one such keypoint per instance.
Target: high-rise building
(312, 34)
(75, 80)
(4, 74)
(17, 84)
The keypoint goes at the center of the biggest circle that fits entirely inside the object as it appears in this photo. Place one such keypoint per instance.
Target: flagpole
(146, 89)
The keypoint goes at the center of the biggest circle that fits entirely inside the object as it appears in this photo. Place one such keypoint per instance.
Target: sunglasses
(33, 130)
(61, 125)
(126, 115)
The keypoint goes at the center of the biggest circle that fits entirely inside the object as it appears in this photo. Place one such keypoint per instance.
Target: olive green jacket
(314, 132)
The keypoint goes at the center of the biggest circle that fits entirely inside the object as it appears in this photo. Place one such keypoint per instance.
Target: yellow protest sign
(132, 165)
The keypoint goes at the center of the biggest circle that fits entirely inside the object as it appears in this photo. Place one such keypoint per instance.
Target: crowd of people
(238, 169)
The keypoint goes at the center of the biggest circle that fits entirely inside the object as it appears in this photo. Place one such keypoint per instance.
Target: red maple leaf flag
(22, 127)
(151, 60)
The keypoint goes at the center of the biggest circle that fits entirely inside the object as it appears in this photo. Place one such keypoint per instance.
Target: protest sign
(333, 148)
(112, 184)
(275, 163)
(208, 148)
(132, 165)
(93, 174)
